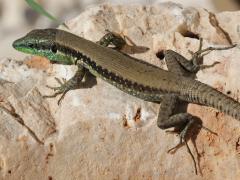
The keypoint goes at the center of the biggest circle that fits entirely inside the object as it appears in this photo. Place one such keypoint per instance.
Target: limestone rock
(103, 133)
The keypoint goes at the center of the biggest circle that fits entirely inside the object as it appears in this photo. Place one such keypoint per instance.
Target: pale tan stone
(94, 133)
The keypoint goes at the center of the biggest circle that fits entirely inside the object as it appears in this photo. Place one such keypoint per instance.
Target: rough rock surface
(103, 133)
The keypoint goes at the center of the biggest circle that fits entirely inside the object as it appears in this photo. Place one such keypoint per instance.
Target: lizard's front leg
(112, 39)
(109, 39)
(73, 83)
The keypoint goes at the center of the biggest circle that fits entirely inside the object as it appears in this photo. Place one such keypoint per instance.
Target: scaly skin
(131, 75)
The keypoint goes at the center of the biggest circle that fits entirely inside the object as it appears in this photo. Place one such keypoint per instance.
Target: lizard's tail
(208, 96)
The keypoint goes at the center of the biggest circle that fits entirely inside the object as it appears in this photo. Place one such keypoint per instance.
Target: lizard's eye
(54, 48)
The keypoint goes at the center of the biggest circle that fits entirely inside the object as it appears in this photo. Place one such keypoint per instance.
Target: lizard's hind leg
(200, 53)
(180, 65)
(181, 121)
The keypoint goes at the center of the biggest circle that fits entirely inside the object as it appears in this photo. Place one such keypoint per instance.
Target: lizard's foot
(182, 133)
(197, 56)
(184, 130)
(64, 87)
(121, 43)
(112, 39)
(183, 140)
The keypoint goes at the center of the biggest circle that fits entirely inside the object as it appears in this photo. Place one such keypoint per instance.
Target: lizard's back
(133, 76)
(109, 63)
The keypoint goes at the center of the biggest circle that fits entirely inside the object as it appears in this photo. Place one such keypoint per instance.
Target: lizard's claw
(56, 94)
(175, 148)
(180, 143)
(202, 67)
(61, 82)
(191, 52)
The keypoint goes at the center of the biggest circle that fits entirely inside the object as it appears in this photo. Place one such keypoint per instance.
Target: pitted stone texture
(103, 133)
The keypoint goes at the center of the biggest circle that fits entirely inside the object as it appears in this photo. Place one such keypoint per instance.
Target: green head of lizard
(42, 42)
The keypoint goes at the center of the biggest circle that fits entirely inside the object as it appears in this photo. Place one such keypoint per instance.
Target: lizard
(131, 75)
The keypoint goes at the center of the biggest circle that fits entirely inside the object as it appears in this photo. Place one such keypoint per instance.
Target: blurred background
(17, 18)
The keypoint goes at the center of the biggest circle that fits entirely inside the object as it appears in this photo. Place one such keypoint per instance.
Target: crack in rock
(214, 22)
(20, 120)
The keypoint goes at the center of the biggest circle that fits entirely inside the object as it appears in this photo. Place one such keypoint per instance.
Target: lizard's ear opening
(54, 48)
